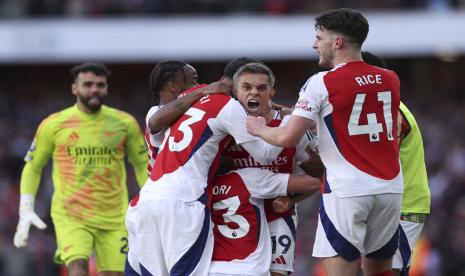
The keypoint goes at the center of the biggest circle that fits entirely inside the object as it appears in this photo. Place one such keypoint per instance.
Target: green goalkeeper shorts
(78, 241)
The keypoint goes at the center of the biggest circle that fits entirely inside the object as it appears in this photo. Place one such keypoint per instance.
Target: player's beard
(93, 103)
(325, 60)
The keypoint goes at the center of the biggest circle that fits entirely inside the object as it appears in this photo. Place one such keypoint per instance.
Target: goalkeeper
(88, 143)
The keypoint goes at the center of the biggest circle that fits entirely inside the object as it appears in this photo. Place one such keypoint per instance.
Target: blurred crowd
(433, 89)
(99, 8)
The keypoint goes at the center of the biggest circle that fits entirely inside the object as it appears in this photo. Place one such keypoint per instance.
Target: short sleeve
(151, 111)
(137, 151)
(312, 97)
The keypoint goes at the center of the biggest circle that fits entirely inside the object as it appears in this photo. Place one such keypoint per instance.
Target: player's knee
(79, 267)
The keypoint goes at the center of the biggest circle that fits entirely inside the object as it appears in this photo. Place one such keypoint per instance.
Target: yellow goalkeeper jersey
(88, 153)
(416, 198)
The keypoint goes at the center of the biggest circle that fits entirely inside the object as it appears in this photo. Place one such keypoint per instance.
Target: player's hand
(283, 109)
(254, 124)
(218, 87)
(281, 204)
(313, 144)
(27, 217)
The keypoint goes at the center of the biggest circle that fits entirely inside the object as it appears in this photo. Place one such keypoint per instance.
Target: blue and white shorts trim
(409, 234)
(354, 226)
(283, 236)
(174, 237)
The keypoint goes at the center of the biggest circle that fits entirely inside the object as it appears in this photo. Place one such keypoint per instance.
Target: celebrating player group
(226, 167)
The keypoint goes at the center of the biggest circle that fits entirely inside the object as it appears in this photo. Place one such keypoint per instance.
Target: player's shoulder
(152, 110)
(117, 114)
(59, 116)
(383, 71)
(219, 97)
(59, 119)
(230, 176)
(314, 80)
(214, 102)
(317, 76)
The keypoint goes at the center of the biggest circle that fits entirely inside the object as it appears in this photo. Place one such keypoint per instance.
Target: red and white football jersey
(355, 106)
(190, 152)
(153, 141)
(242, 239)
(284, 163)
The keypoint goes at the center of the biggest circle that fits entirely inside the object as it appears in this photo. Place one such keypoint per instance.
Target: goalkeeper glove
(27, 217)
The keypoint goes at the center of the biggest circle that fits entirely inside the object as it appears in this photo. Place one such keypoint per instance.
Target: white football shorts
(353, 226)
(174, 237)
(283, 236)
(132, 262)
(409, 234)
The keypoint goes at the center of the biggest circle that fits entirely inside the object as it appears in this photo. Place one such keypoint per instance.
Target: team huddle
(227, 166)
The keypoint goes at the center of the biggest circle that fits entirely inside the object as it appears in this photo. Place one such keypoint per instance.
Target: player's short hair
(344, 21)
(97, 68)
(255, 68)
(232, 66)
(373, 59)
(162, 73)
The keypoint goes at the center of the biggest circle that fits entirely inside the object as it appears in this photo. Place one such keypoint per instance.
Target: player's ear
(234, 92)
(272, 92)
(74, 88)
(339, 42)
(173, 87)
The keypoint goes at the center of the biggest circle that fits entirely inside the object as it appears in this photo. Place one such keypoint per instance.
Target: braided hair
(162, 73)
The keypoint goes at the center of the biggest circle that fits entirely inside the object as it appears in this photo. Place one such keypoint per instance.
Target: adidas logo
(73, 136)
(280, 260)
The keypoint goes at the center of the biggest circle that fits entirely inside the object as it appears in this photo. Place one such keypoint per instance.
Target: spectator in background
(88, 143)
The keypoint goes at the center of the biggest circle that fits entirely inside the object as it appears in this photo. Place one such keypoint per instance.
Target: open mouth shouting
(252, 105)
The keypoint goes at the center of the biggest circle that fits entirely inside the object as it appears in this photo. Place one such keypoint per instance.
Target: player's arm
(403, 127)
(313, 166)
(136, 150)
(171, 111)
(232, 120)
(284, 203)
(312, 97)
(36, 158)
(266, 184)
(287, 136)
(302, 186)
